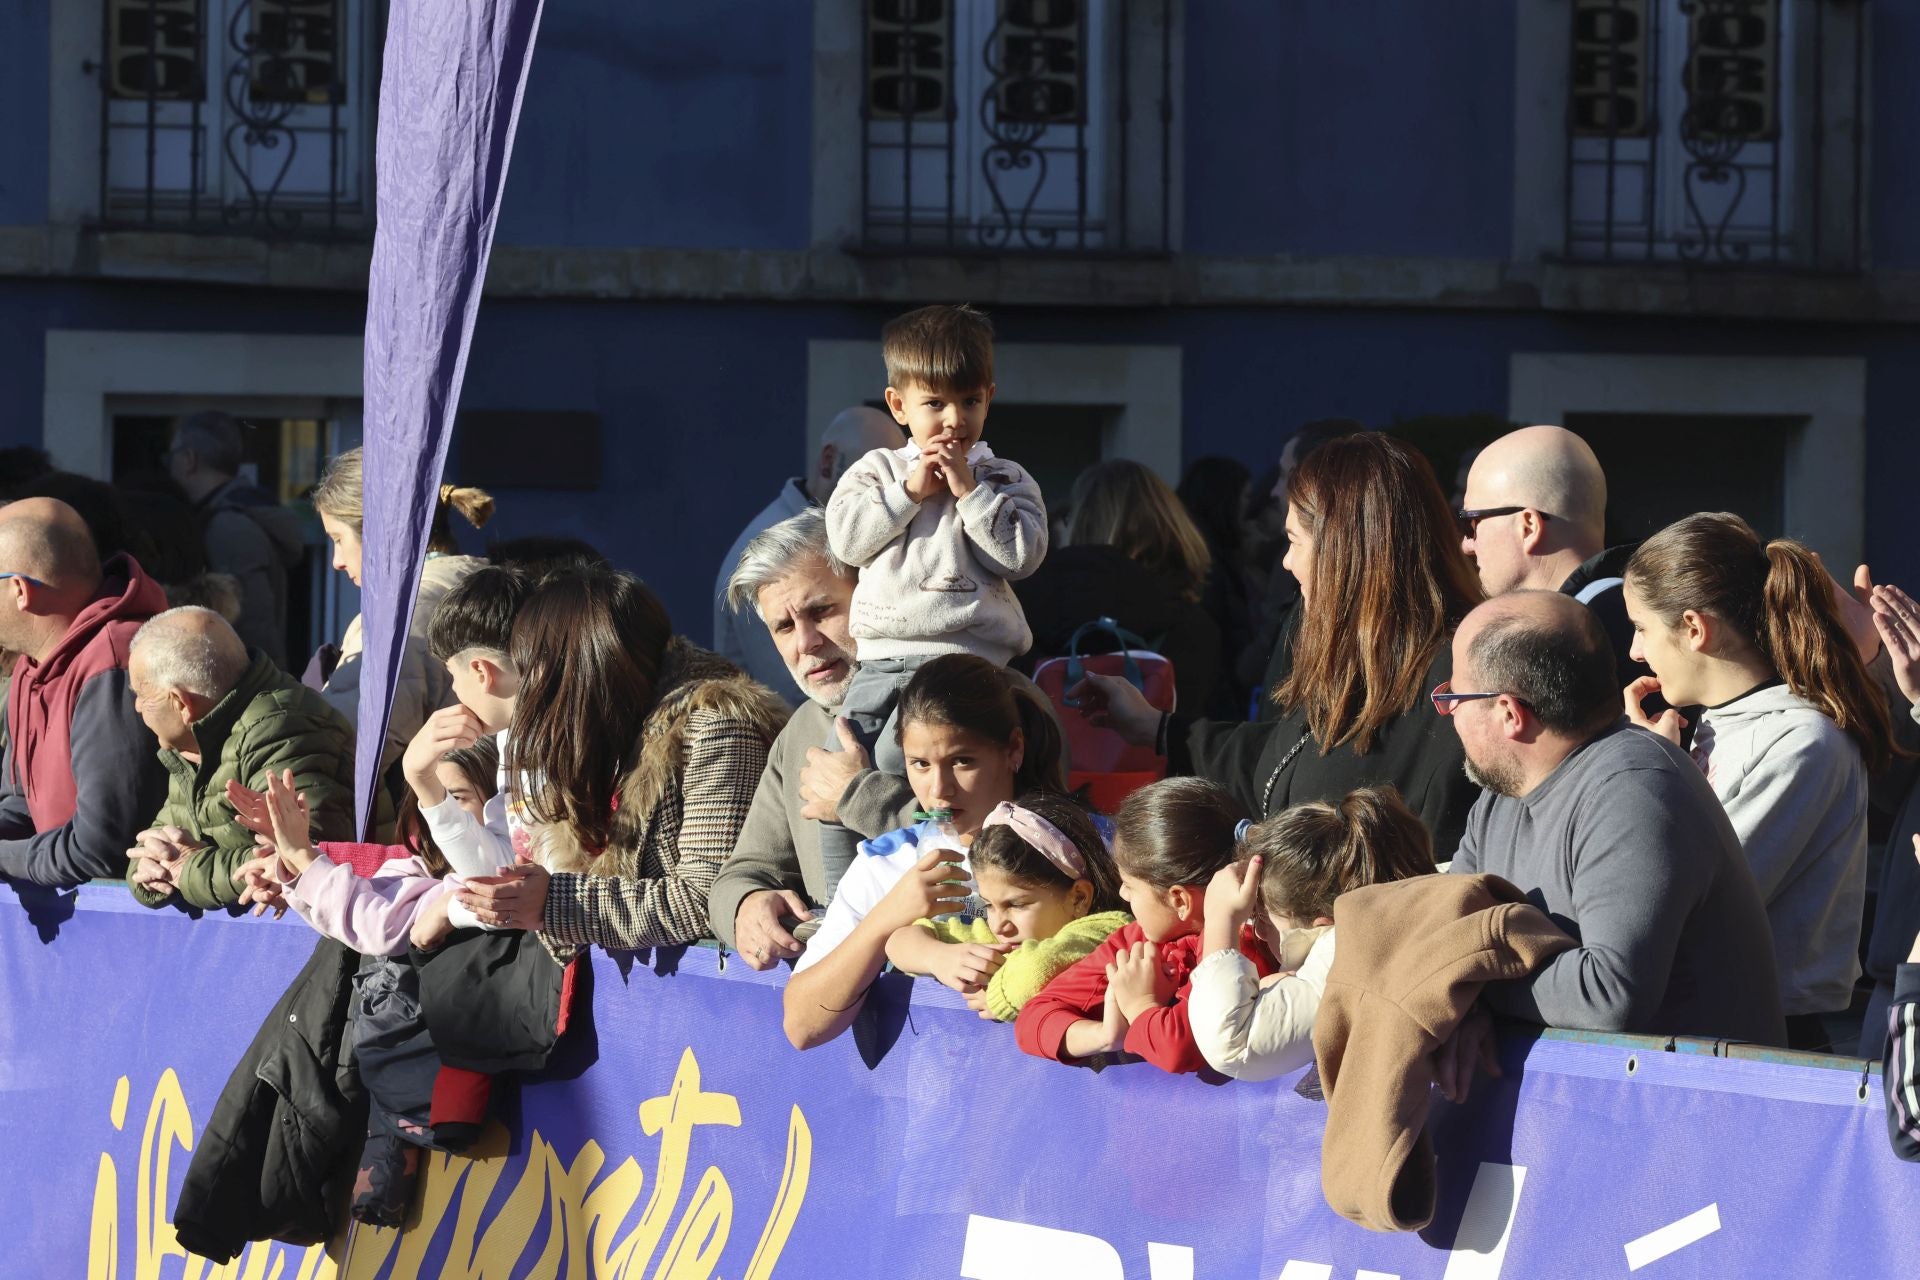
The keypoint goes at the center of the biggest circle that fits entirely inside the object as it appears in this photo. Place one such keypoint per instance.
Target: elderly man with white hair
(848, 438)
(223, 714)
(769, 884)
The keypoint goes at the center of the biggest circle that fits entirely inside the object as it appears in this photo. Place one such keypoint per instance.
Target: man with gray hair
(222, 716)
(849, 437)
(247, 533)
(769, 884)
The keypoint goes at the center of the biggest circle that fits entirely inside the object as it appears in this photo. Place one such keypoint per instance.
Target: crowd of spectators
(1669, 754)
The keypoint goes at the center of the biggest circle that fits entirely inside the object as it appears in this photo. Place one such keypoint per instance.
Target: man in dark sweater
(1612, 831)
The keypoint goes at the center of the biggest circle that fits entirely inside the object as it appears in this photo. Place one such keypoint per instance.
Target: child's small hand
(923, 477)
(1233, 893)
(977, 1001)
(250, 809)
(431, 926)
(1133, 979)
(954, 468)
(287, 811)
(260, 887)
(448, 729)
(967, 967)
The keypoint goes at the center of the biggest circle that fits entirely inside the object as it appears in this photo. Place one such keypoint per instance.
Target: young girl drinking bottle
(1050, 891)
(1131, 993)
(1301, 860)
(972, 742)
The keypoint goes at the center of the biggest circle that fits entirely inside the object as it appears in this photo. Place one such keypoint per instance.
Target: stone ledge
(823, 275)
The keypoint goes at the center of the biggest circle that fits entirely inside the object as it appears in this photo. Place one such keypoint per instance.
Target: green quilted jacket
(269, 721)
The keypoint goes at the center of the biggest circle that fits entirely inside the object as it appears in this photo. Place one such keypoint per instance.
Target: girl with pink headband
(1052, 896)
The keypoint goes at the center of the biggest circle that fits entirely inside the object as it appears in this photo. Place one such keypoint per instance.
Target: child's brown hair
(1312, 853)
(1004, 850)
(1176, 831)
(942, 348)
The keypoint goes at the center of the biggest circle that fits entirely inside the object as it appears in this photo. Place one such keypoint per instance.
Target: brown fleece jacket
(1413, 956)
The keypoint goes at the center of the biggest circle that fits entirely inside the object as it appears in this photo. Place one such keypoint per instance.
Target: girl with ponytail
(1792, 726)
(1295, 864)
(422, 685)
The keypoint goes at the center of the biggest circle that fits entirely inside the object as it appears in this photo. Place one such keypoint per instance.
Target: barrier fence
(683, 1138)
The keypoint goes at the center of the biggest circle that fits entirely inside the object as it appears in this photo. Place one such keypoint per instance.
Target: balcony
(1018, 126)
(1718, 133)
(238, 116)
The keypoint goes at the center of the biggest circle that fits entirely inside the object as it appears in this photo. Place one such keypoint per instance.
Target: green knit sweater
(1035, 962)
(269, 721)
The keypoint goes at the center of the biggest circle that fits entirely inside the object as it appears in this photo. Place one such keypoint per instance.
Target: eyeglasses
(1445, 699)
(24, 578)
(1470, 520)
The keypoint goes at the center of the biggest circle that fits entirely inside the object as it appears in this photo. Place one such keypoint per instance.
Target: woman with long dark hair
(639, 755)
(1383, 585)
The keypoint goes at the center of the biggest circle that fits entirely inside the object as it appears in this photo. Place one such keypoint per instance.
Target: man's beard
(1502, 777)
(828, 696)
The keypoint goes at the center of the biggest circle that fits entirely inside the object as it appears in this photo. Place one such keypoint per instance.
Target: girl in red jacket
(1130, 995)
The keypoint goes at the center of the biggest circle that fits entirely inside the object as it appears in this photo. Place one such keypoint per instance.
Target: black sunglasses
(1470, 520)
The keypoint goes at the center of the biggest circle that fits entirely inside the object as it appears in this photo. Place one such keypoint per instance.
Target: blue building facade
(1683, 229)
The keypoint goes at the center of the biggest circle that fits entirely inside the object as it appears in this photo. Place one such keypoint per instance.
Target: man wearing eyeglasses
(1535, 516)
(80, 776)
(1611, 830)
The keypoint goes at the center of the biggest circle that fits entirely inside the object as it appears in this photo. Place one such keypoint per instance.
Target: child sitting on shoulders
(1052, 895)
(937, 528)
(1130, 994)
(1302, 859)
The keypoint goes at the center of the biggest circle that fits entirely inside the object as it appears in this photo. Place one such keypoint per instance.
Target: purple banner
(690, 1140)
(450, 90)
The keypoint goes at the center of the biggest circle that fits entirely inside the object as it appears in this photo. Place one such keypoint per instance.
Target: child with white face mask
(1297, 863)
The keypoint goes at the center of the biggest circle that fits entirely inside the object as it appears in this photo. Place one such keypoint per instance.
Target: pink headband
(1042, 835)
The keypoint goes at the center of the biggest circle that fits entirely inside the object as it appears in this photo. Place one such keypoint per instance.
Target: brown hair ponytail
(1312, 853)
(1808, 643)
(1777, 598)
(474, 505)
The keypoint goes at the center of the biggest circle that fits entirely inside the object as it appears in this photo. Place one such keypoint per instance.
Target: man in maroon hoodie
(80, 776)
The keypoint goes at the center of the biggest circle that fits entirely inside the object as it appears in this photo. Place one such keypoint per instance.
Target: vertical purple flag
(450, 93)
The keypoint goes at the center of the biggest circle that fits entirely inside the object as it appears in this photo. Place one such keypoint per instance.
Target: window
(1017, 125)
(238, 114)
(1716, 132)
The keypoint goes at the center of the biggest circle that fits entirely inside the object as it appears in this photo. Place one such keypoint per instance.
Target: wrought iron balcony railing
(1718, 133)
(1018, 126)
(238, 115)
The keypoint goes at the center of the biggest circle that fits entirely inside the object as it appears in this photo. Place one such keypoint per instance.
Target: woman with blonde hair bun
(422, 686)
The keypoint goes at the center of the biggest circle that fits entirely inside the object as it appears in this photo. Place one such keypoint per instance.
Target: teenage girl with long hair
(1792, 726)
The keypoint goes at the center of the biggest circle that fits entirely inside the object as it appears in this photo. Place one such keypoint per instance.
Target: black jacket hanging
(291, 1117)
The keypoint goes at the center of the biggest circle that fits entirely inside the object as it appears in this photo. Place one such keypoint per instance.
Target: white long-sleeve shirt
(1251, 1032)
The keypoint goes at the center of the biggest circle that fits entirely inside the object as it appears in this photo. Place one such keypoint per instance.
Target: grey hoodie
(1795, 788)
